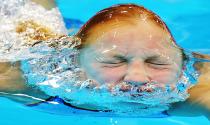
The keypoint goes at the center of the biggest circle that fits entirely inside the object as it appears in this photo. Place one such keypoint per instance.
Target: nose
(136, 73)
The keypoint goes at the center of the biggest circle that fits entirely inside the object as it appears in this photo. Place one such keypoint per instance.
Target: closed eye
(113, 64)
(115, 61)
(157, 63)
(158, 66)
(155, 60)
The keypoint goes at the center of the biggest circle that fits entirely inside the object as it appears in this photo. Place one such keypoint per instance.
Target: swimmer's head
(129, 43)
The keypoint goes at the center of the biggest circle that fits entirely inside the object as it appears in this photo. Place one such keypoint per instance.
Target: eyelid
(113, 62)
(159, 66)
(110, 64)
(158, 63)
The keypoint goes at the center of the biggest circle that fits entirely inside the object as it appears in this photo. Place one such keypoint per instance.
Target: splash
(22, 26)
(59, 74)
(50, 63)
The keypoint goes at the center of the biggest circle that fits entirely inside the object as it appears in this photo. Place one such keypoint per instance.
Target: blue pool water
(14, 114)
(188, 21)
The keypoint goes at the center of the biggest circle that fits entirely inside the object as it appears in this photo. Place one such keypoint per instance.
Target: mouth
(144, 92)
(126, 89)
(135, 90)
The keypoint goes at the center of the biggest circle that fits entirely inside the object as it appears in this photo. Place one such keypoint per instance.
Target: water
(10, 110)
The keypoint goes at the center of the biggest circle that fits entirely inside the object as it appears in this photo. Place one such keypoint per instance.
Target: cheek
(113, 74)
(165, 76)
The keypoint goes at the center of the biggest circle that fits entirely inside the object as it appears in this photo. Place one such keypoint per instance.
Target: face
(137, 54)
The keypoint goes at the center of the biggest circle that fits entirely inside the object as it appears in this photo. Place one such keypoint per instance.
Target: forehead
(140, 36)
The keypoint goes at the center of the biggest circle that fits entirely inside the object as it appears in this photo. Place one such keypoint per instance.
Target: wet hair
(119, 13)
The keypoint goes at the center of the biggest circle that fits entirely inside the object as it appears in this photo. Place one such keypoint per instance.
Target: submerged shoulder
(199, 94)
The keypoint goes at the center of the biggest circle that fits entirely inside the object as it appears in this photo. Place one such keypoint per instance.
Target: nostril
(135, 83)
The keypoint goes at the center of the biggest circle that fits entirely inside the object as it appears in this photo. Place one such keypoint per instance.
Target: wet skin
(134, 53)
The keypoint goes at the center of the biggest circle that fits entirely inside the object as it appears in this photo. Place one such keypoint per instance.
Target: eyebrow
(155, 57)
(123, 57)
(118, 56)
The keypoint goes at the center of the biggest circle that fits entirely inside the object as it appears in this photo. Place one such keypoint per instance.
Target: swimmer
(128, 44)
